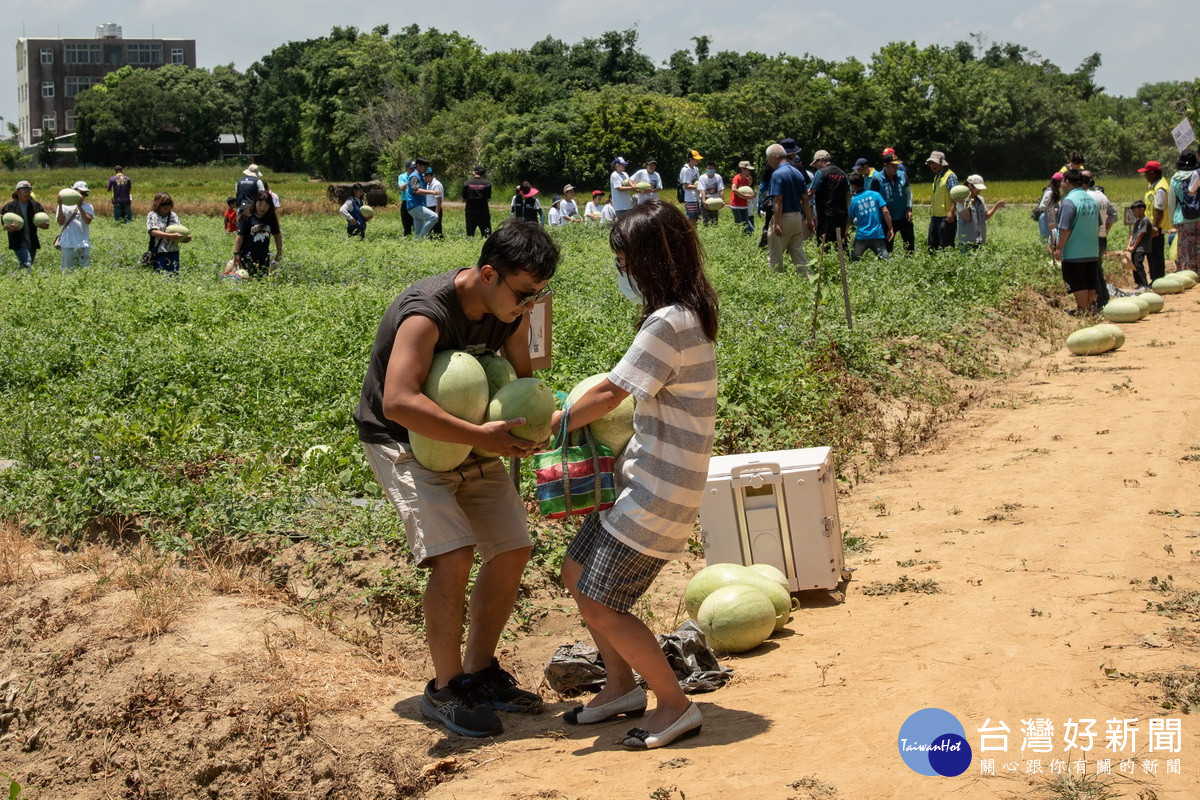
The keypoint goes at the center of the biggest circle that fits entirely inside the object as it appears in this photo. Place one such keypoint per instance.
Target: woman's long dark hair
(666, 261)
(1055, 190)
(271, 218)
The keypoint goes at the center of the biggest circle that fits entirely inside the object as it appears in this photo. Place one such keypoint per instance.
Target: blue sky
(1134, 46)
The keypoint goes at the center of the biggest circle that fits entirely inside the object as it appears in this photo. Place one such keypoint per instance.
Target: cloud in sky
(1133, 50)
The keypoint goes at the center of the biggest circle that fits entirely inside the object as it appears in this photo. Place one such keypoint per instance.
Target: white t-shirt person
(621, 200)
(652, 178)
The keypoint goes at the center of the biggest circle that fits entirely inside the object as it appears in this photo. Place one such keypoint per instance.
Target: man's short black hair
(856, 180)
(1075, 177)
(519, 246)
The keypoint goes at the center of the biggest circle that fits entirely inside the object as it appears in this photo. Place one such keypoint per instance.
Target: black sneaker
(499, 690)
(459, 708)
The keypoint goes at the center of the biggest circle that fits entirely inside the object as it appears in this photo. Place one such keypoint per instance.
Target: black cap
(478, 170)
(789, 146)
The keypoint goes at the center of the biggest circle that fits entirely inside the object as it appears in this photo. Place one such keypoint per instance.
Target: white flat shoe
(687, 725)
(632, 704)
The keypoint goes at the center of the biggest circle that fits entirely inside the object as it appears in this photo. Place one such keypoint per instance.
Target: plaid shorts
(614, 574)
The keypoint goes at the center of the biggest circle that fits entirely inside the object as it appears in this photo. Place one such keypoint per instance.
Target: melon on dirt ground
(1185, 278)
(1122, 309)
(1115, 330)
(1155, 301)
(614, 429)
(736, 618)
(768, 580)
(1167, 285)
(458, 384)
(1090, 341)
(530, 398)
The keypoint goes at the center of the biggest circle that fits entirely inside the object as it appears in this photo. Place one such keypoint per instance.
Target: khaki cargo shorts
(475, 505)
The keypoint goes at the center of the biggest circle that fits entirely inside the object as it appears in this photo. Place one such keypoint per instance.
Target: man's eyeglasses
(526, 299)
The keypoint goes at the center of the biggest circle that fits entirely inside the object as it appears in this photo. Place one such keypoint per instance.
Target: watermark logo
(933, 742)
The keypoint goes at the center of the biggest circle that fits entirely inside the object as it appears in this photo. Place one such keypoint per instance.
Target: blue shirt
(896, 193)
(866, 208)
(788, 183)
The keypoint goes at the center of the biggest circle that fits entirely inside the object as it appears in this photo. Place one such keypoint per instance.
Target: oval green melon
(499, 372)
(735, 619)
(1184, 278)
(644, 185)
(530, 398)
(780, 599)
(1117, 333)
(69, 197)
(1167, 285)
(1143, 304)
(1090, 341)
(1191, 273)
(708, 580)
(772, 572)
(713, 203)
(177, 228)
(458, 384)
(1122, 309)
(614, 429)
(11, 218)
(1155, 301)
(745, 191)
(960, 192)
(41, 219)
(366, 211)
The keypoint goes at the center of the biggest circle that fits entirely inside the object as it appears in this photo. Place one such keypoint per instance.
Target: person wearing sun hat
(526, 206)
(23, 240)
(942, 225)
(973, 215)
(1160, 222)
(75, 239)
(247, 188)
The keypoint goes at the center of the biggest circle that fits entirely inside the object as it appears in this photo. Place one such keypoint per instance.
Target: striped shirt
(671, 369)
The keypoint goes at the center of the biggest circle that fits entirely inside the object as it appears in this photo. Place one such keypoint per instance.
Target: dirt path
(1042, 515)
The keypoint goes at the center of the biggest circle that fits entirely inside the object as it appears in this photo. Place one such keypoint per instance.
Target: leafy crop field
(183, 407)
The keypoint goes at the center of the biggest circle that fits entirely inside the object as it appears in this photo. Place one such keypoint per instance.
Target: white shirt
(569, 209)
(687, 175)
(77, 232)
(713, 186)
(556, 217)
(646, 176)
(621, 201)
(589, 209)
(431, 200)
(608, 213)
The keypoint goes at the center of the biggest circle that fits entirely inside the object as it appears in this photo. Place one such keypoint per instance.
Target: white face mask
(629, 288)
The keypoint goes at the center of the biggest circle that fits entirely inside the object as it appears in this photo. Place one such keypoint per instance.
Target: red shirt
(231, 220)
(735, 199)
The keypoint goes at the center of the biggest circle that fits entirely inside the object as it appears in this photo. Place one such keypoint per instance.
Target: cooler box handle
(762, 472)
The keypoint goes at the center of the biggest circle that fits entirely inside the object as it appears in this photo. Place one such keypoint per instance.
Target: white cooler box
(777, 508)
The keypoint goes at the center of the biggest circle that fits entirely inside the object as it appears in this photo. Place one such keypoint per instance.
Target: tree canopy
(355, 104)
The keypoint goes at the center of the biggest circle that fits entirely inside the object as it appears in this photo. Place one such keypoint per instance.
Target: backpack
(679, 193)
(1189, 204)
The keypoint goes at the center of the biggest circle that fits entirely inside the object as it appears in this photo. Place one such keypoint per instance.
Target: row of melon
(486, 388)
(1107, 337)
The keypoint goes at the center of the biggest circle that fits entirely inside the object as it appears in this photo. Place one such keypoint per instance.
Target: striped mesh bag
(574, 478)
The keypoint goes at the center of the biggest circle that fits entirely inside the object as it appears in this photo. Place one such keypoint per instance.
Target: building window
(75, 84)
(143, 53)
(177, 55)
(70, 121)
(114, 54)
(49, 123)
(81, 53)
(47, 88)
(47, 55)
